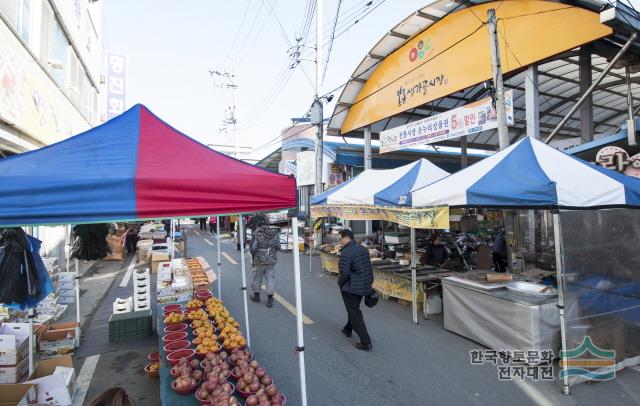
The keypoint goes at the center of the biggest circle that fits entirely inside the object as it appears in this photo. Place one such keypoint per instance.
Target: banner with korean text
(116, 84)
(429, 218)
(468, 119)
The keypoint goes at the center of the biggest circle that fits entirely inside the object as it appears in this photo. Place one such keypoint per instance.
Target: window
(18, 13)
(54, 47)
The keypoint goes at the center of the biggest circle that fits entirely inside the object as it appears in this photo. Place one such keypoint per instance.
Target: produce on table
(198, 315)
(174, 318)
(193, 304)
(188, 376)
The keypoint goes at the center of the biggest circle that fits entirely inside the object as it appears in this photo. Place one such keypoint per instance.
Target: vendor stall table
(167, 395)
(499, 318)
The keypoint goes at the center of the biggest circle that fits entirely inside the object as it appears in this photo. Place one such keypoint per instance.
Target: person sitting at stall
(436, 253)
(500, 252)
(130, 236)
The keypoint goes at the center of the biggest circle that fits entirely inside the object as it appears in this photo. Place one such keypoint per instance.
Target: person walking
(355, 282)
(213, 221)
(203, 223)
(265, 244)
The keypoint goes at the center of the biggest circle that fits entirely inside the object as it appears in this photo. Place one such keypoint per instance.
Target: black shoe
(256, 297)
(364, 347)
(270, 301)
(346, 333)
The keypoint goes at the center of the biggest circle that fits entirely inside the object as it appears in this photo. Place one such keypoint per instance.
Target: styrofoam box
(66, 276)
(65, 285)
(66, 299)
(14, 373)
(66, 293)
(14, 342)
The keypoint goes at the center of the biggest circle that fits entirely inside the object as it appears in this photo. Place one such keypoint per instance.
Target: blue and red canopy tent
(138, 167)
(133, 167)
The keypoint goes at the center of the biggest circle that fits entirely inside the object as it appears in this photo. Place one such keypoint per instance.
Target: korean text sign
(469, 119)
(116, 84)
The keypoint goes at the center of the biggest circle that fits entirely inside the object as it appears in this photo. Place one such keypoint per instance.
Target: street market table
(167, 395)
(500, 319)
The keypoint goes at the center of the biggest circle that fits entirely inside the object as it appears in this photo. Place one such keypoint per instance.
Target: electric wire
(333, 32)
(240, 27)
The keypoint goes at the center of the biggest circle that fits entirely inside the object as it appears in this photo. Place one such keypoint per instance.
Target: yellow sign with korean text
(453, 54)
(429, 218)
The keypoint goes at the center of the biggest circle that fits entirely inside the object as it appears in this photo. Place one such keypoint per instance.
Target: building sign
(429, 218)
(453, 54)
(469, 119)
(336, 175)
(116, 84)
(618, 159)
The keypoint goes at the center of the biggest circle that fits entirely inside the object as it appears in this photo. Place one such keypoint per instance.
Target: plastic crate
(130, 325)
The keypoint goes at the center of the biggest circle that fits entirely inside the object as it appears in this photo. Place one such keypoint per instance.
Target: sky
(172, 45)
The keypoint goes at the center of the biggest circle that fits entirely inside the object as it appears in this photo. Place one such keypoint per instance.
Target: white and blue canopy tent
(382, 187)
(385, 188)
(533, 175)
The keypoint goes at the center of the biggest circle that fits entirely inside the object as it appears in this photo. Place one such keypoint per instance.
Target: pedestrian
(203, 223)
(500, 252)
(241, 238)
(355, 282)
(265, 244)
(213, 221)
(115, 396)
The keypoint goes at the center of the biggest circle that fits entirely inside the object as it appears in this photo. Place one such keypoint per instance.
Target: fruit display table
(167, 395)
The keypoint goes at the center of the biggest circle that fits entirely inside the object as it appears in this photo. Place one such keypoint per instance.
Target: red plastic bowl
(185, 391)
(175, 356)
(154, 357)
(180, 335)
(245, 394)
(172, 308)
(176, 345)
(175, 328)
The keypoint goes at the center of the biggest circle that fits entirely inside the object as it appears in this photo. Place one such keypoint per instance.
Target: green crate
(130, 325)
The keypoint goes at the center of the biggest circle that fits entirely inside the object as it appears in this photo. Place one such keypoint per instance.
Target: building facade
(51, 71)
(51, 74)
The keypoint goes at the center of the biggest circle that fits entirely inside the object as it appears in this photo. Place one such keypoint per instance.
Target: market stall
(79, 181)
(532, 175)
(378, 194)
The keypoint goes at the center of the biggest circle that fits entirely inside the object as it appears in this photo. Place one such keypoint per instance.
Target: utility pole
(229, 81)
(496, 68)
(317, 103)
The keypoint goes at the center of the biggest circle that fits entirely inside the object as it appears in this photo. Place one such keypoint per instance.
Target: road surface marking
(84, 379)
(228, 257)
(127, 276)
(208, 242)
(197, 232)
(291, 308)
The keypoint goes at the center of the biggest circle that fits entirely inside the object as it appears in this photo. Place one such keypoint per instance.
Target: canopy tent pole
(172, 236)
(298, 286)
(31, 316)
(77, 279)
(219, 263)
(560, 281)
(244, 279)
(68, 246)
(414, 264)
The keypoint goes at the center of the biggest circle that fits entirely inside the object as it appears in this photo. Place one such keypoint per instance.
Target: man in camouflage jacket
(265, 244)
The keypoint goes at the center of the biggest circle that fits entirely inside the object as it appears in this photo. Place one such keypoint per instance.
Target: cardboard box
(156, 258)
(71, 326)
(15, 373)
(18, 395)
(14, 342)
(55, 385)
(57, 342)
(66, 277)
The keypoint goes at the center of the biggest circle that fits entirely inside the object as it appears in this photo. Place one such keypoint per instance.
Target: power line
(240, 27)
(246, 37)
(333, 32)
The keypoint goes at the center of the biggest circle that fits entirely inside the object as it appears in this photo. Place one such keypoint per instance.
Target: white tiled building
(50, 71)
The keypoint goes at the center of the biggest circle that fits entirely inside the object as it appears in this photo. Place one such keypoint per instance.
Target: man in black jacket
(356, 278)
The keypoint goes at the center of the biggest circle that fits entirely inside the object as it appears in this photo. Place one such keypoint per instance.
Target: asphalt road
(409, 365)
